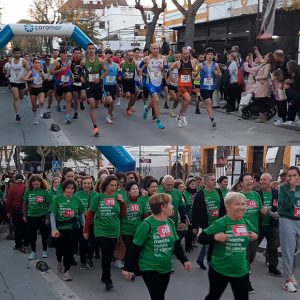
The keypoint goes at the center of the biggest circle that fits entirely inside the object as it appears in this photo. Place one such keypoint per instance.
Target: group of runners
(149, 218)
(72, 79)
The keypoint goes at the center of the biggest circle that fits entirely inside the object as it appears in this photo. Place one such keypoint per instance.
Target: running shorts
(63, 89)
(34, 91)
(110, 90)
(48, 85)
(128, 87)
(154, 89)
(93, 91)
(184, 89)
(173, 88)
(206, 94)
(19, 86)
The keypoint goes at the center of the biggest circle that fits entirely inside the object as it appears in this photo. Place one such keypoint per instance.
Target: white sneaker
(294, 280)
(42, 111)
(118, 102)
(184, 122)
(179, 122)
(289, 286)
(44, 254)
(288, 123)
(118, 264)
(277, 122)
(67, 276)
(108, 120)
(35, 121)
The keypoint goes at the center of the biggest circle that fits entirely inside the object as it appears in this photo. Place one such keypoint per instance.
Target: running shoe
(64, 108)
(108, 120)
(145, 114)
(295, 282)
(288, 123)
(173, 113)
(75, 116)
(132, 109)
(118, 102)
(129, 112)
(289, 286)
(35, 121)
(59, 267)
(58, 107)
(44, 254)
(118, 264)
(84, 266)
(202, 265)
(197, 111)
(96, 131)
(32, 256)
(166, 106)
(90, 265)
(275, 272)
(159, 124)
(214, 124)
(42, 111)
(179, 122)
(67, 276)
(82, 105)
(67, 119)
(184, 121)
(250, 288)
(18, 118)
(108, 286)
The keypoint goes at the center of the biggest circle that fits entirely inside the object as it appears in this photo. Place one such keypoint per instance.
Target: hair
(136, 178)
(210, 50)
(136, 49)
(149, 182)
(108, 51)
(98, 186)
(69, 182)
(121, 176)
(90, 44)
(241, 178)
(146, 49)
(291, 66)
(221, 178)
(166, 178)
(185, 49)
(177, 183)
(64, 172)
(106, 182)
(76, 49)
(35, 59)
(190, 180)
(130, 184)
(16, 49)
(38, 178)
(256, 176)
(293, 168)
(157, 201)
(279, 75)
(62, 50)
(206, 176)
(271, 61)
(52, 182)
(231, 196)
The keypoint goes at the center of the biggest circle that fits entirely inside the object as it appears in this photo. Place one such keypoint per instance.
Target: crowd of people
(138, 223)
(96, 76)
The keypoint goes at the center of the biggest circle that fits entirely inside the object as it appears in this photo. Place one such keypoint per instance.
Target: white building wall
(295, 150)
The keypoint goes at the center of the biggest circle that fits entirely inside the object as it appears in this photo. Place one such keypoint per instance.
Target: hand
(86, 236)
(55, 233)
(264, 210)
(97, 80)
(253, 236)
(144, 193)
(128, 275)
(62, 68)
(195, 231)
(255, 48)
(120, 198)
(25, 219)
(221, 237)
(187, 266)
(82, 79)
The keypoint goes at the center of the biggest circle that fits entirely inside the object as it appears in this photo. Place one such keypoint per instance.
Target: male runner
(173, 82)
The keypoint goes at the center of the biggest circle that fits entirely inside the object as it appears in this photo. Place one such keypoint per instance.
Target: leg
(208, 104)
(217, 284)
(75, 97)
(155, 104)
(68, 98)
(18, 223)
(239, 287)
(32, 227)
(92, 111)
(185, 103)
(16, 99)
(272, 236)
(45, 231)
(83, 246)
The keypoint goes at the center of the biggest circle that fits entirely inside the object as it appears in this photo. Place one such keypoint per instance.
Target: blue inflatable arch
(120, 158)
(60, 30)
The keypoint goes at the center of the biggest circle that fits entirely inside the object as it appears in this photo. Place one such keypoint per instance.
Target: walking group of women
(151, 218)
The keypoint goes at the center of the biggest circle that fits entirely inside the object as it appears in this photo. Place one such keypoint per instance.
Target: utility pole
(176, 168)
(140, 158)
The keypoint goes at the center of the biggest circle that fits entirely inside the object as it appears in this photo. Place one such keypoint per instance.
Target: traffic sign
(56, 165)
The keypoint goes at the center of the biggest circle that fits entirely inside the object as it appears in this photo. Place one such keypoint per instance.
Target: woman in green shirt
(154, 244)
(37, 200)
(67, 174)
(231, 235)
(54, 186)
(106, 209)
(66, 216)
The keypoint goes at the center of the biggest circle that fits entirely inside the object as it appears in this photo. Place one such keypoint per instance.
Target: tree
(6, 153)
(189, 16)
(43, 151)
(290, 5)
(150, 26)
(275, 167)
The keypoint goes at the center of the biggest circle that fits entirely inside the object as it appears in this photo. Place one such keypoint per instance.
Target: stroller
(249, 107)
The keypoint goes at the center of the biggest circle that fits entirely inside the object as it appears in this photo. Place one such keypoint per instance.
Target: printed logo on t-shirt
(39, 199)
(214, 212)
(251, 204)
(109, 201)
(134, 207)
(297, 211)
(164, 231)
(239, 230)
(69, 213)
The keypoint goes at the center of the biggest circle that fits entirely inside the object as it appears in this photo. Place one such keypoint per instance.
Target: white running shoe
(36, 121)
(294, 280)
(289, 123)
(184, 121)
(42, 111)
(289, 286)
(118, 264)
(108, 120)
(118, 102)
(67, 276)
(179, 122)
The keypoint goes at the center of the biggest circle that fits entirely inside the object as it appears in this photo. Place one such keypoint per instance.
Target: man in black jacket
(165, 48)
(268, 227)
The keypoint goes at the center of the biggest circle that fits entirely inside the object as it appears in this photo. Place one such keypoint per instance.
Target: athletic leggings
(156, 283)
(218, 283)
(87, 247)
(127, 239)
(65, 246)
(33, 224)
(107, 246)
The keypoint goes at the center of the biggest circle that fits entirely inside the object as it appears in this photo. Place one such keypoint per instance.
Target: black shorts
(111, 90)
(36, 91)
(196, 86)
(129, 86)
(48, 85)
(206, 94)
(172, 88)
(63, 89)
(164, 83)
(145, 92)
(78, 88)
(94, 91)
(19, 86)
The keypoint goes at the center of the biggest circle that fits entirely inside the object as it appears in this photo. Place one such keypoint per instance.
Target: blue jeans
(202, 254)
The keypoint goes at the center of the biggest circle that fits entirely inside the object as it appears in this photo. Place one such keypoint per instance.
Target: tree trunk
(274, 168)
(190, 28)
(149, 34)
(17, 158)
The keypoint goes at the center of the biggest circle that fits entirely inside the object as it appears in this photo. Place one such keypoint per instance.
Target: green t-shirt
(107, 218)
(224, 192)
(188, 198)
(230, 258)
(38, 202)
(147, 206)
(134, 216)
(176, 202)
(67, 211)
(268, 201)
(1, 195)
(54, 193)
(157, 239)
(253, 207)
(213, 202)
(85, 198)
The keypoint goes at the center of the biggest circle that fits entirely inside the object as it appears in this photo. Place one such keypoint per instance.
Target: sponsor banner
(43, 29)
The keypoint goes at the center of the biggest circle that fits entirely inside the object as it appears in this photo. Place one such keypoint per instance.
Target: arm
(260, 58)
(205, 239)
(103, 68)
(266, 73)
(28, 76)
(89, 217)
(56, 68)
(179, 253)
(175, 65)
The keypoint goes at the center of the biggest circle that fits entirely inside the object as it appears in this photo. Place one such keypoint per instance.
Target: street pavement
(19, 280)
(231, 128)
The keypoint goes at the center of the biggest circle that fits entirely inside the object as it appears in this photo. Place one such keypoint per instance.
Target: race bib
(69, 213)
(110, 79)
(155, 75)
(77, 83)
(128, 75)
(251, 204)
(134, 207)
(109, 201)
(164, 231)
(37, 80)
(185, 78)
(93, 77)
(297, 212)
(214, 212)
(49, 77)
(39, 199)
(65, 78)
(239, 230)
(208, 81)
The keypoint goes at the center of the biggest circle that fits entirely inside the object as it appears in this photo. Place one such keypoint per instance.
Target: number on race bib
(134, 207)
(164, 231)
(109, 201)
(65, 78)
(110, 79)
(69, 213)
(239, 230)
(208, 81)
(37, 80)
(49, 77)
(214, 212)
(128, 75)
(251, 204)
(77, 83)
(93, 77)
(39, 199)
(185, 78)
(297, 211)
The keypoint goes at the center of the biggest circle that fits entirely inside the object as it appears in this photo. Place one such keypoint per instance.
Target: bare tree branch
(179, 7)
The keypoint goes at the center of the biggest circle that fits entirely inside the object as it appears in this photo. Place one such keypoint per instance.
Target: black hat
(42, 266)
(54, 127)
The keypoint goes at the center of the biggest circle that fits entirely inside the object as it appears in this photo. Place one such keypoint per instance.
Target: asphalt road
(19, 280)
(231, 128)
